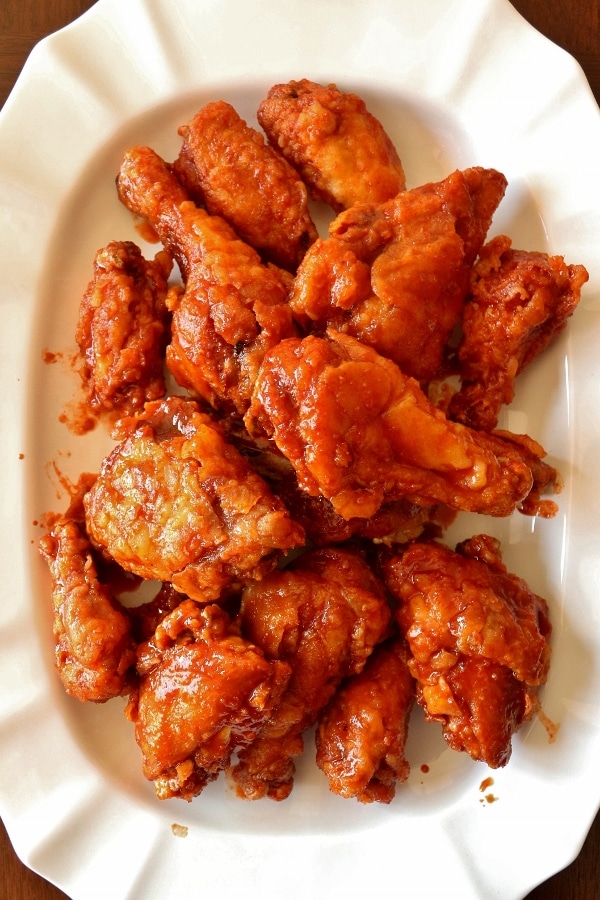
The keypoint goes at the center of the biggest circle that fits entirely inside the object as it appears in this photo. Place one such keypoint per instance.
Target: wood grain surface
(574, 25)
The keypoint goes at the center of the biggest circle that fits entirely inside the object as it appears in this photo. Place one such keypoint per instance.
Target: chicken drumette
(203, 694)
(479, 642)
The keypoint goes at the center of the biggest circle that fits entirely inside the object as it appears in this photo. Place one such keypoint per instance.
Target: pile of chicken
(289, 497)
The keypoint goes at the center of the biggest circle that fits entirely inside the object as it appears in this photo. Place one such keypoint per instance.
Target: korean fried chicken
(362, 733)
(233, 307)
(339, 148)
(94, 649)
(479, 642)
(122, 329)
(519, 301)
(203, 694)
(175, 502)
(322, 615)
(241, 178)
(360, 432)
(395, 275)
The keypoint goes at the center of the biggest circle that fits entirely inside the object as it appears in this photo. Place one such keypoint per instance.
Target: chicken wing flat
(396, 275)
(322, 615)
(94, 649)
(233, 307)
(340, 149)
(122, 331)
(360, 432)
(362, 733)
(175, 502)
(519, 301)
(203, 694)
(479, 642)
(243, 179)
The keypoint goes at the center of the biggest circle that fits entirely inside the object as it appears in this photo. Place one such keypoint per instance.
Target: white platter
(456, 83)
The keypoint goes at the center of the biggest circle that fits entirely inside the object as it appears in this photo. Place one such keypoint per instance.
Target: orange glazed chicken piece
(204, 693)
(175, 502)
(94, 649)
(322, 615)
(122, 330)
(362, 733)
(339, 148)
(238, 176)
(233, 307)
(479, 642)
(396, 275)
(520, 300)
(359, 432)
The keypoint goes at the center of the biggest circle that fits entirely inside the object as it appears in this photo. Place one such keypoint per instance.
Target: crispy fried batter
(94, 649)
(395, 275)
(174, 502)
(122, 329)
(479, 639)
(323, 615)
(339, 148)
(520, 301)
(362, 733)
(203, 694)
(242, 179)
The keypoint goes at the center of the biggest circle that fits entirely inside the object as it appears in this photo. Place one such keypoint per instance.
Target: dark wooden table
(573, 24)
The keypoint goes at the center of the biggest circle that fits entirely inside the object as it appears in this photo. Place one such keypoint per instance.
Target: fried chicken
(322, 615)
(519, 302)
(241, 178)
(175, 502)
(479, 642)
(396, 275)
(362, 733)
(203, 694)
(94, 649)
(361, 433)
(339, 148)
(122, 329)
(233, 307)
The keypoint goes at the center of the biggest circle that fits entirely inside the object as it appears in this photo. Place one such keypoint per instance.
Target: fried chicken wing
(233, 307)
(203, 694)
(322, 615)
(479, 642)
(122, 329)
(395, 275)
(94, 649)
(519, 301)
(339, 148)
(359, 432)
(244, 180)
(175, 502)
(362, 733)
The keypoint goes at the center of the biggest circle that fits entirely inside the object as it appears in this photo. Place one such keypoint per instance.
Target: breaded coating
(241, 178)
(233, 307)
(94, 650)
(340, 149)
(479, 642)
(322, 615)
(362, 733)
(203, 694)
(122, 331)
(396, 275)
(175, 502)
(519, 301)
(359, 432)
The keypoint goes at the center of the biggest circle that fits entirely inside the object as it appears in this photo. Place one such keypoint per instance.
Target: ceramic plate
(456, 83)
